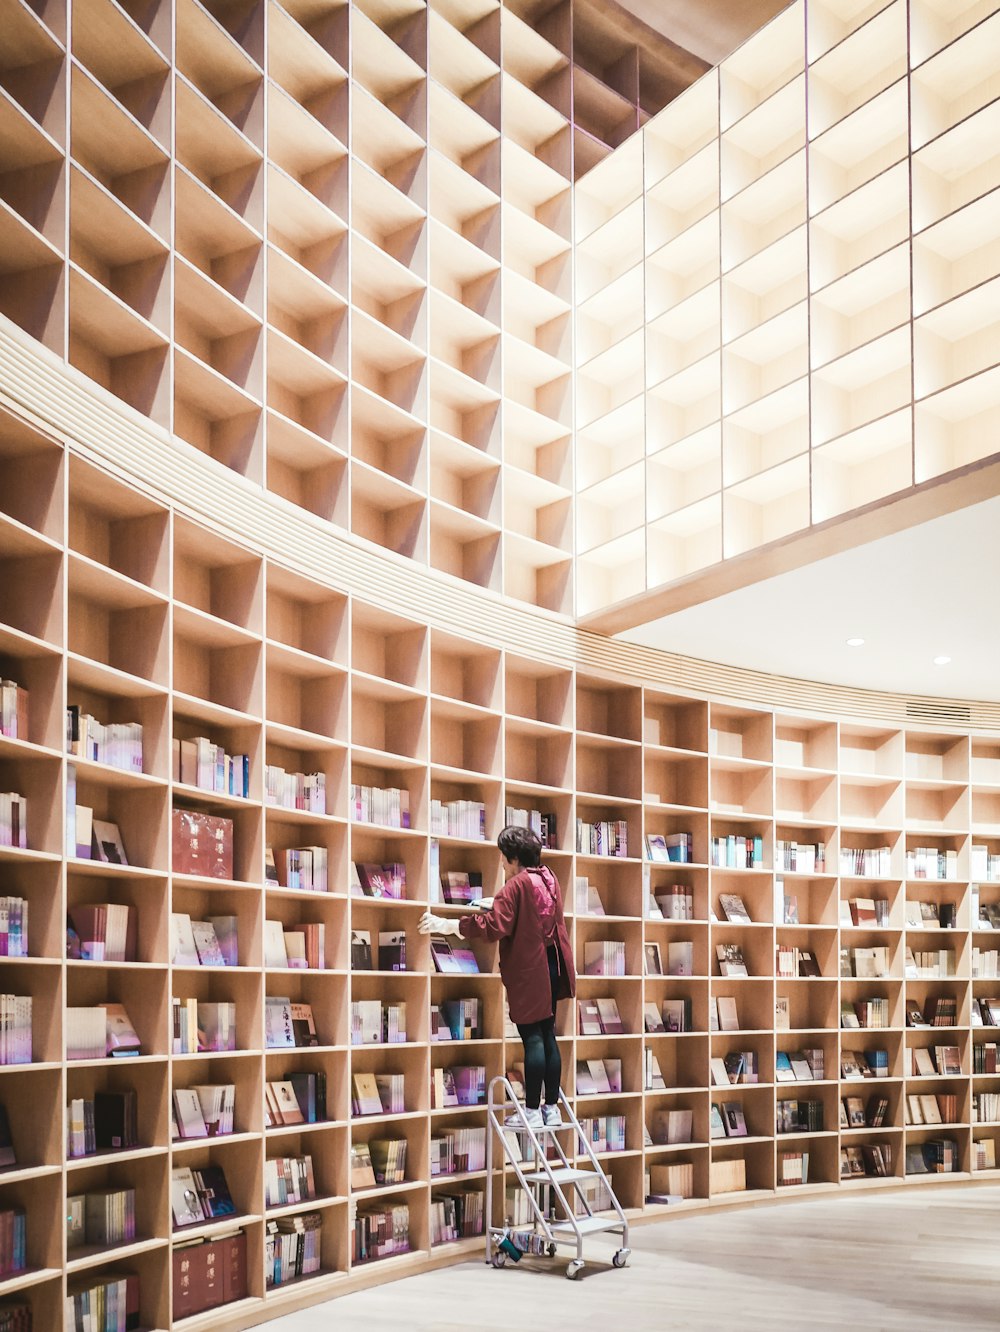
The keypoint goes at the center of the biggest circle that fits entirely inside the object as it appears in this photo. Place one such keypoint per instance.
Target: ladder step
(587, 1225)
(562, 1175)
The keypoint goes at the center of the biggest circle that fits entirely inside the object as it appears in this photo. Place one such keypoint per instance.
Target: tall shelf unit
(114, 600)
(785, 292)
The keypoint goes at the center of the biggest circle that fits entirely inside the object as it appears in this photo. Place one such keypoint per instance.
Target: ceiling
(921, 593)
(710, 29)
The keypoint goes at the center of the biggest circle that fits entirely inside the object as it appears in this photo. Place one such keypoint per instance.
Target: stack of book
(672, 1126)
(288, 1025)
(985, 864)
(93, 1033)
(103, 1217)
(391, 950)
(381, 1231)
(456, 1020)
(604, 957)
(204, 1111)
(14, 703)
(598, 1077)
(606, 1133)
(368, 879)
(13, 927)
(301, 868)
(670, 1182)
(799, 1066)
(675, 902)
(13, 1241)
(295, 790)
(793, 1168)
(288, 1179)
(202, 763)
(931, 862)
(201, 844)
(458, 1151)
(15, 1318)
(800, 857)
(301, 948)
(873, 1159)
(458, 818)
(985, 1058)
(608, 837)
(599, 1017)
(118, 744)
(388, 806)
(199, 1027)
(461, 887)
(13, 820)
(292, 1248)
(866, 862)
(213, 942)
(799, 1116)
(103, 1301)
(670, 848)
(462, 1084)
(542, 825)
(458, 1215)
(105, 932)
(375, 1023)
(378, 1094)
(107, 1123)
(208, 1273)
(199, 1195)
(451, 960)
(308, 1091)
(736, 851)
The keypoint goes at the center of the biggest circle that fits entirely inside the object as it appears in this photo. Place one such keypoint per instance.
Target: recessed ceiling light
(855, 642)
(941, 661)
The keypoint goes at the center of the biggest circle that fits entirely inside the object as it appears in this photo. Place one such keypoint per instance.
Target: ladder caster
(552, 1250)
(574, 1269)
(621, 1257)
(499, 1259)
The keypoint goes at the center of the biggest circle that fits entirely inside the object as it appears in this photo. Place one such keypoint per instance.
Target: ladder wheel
(574, 1269)
(552, 1250)
(499, 1260)
(621, 1257)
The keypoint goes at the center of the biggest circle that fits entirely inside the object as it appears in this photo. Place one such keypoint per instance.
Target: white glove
(430, 924)
(485, 903)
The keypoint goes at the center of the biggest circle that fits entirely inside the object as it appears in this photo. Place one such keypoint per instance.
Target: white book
(183, 949)
(274, 944)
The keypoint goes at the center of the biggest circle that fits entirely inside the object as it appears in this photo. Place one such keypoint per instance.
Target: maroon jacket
(527, 916)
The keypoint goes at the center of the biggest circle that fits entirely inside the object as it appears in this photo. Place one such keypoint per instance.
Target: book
(680, 957)
(361, 950)
(187, 1112)
(728, 1016)
(183, 949)
(392, 950)
(121, 1035)
(730, 956)
(611, 1021)
(107, 843)
(207, 944)
(734, 909)
(213, 1191)
(185, 1201)
(654, 964)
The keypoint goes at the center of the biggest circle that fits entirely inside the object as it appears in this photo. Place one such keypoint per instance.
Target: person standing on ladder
(536, 963)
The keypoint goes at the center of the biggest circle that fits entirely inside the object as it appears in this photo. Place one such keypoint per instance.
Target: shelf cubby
(766, 507)
(765, 211)
(953, 84)
(861, 387)
(867, 222)
(764, 137)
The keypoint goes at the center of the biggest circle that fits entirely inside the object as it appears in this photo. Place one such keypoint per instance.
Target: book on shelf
(101, 1217)
(388, 881)
(782, 1013)
(792, 1168)
(106, 931)
(304, 791)
(288, 1179)
(388, 1159)
(380, 1231)
(201, 844)
(391, 1088)
(675, 902)
(461, 1018)
(605, 1133)
(608, 837)
(292, 1248)
(728, 1016)
(604, 957)
(680, 957)
(203, 763)
(984, 1154)
(676, 1015)
(611, 1020)
(458, 818)
(288, 1024)
(206, 941)
(598, 1076)
(652, 1075)
(671, 1181)
(736, 851)
(8, 1156)
(799, 1117)
(730, 958)
(734, 1119)
(948, 1060)
(282, 1103)
(199, 1026)
(855, 1108)
(14, 710)
(728, 1176)
(589, 1017)
(734, 909)
(90, 1297)
(392, 950)
(298, 868)
(869, 912)
(652, 1019)
(742, 1066)
(361, 950)
(118, 744)
(543, 825)
(13, 820)
(866, 862)
(587, 899)
(461, 887)
(309, 1089)
(923, 1065)
(673, 1126)
(670, 848)
(14, 927)
(800, 857)
(208, 1272)
(453, 961)
(107, 843)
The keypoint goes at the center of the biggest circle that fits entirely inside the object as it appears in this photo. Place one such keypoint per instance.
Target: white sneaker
(552, 1116)
(530, 1118)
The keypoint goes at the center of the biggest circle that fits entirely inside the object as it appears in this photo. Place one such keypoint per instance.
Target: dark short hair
(522, 845)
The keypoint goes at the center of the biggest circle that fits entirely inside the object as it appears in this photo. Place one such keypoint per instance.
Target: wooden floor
(920, 1258)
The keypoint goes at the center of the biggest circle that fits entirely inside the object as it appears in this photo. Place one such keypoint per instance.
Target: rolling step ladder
(561, 1179)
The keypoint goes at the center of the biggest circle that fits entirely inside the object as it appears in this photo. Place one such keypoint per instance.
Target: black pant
(542, 1060)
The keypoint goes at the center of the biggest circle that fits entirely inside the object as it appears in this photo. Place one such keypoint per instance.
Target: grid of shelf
(278, 234)
(815, 312)
(114, 603)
